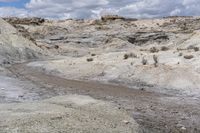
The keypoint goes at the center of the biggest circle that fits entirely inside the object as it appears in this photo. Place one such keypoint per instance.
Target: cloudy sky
(62, 9)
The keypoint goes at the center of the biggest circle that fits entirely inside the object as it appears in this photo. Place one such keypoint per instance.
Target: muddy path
(154, 112)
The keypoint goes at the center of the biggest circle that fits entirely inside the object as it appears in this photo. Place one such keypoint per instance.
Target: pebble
(183, 128)
(126, 122)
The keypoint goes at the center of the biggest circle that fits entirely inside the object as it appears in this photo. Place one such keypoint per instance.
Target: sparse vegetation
(130, 55)
(154, 50)
(144, 61)
(193, 48)
(180, 54)
(126, 56)
(56, 47)
(164, 48)
(155, 58)
(196, 49)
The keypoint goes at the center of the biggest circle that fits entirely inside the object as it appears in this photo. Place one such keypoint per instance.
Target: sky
(64, 9)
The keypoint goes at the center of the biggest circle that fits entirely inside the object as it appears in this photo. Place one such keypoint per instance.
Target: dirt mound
(14, 47)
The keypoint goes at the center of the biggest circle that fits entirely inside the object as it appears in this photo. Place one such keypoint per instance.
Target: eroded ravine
(153, 111)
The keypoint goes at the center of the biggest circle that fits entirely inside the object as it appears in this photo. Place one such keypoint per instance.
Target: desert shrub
(154, 50)
(155, 58)
(180, 54)
(93, 54)
(56, 47)
(144, 61)
(164, 48)
(126, 56)
(196, 49)
(90, 59)
(188, 56)
(130, 55)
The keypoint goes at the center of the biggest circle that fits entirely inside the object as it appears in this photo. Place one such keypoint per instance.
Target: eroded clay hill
(160, 52)
(147, 71)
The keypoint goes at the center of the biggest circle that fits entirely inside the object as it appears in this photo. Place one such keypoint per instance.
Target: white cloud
(94, 8)
(59, 9)
(175, 12)
(11, 11)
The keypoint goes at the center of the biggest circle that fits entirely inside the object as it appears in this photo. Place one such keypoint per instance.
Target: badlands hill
(130, 75)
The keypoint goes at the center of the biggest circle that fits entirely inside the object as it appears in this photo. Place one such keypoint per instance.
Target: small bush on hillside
(93, 54)
(126, 56)
(164, 48)
(155, 58)
(144, 61)
(131, 55)
(154, 50)
(180, 54)
(194, 48)
(90, 59)
(56, 47)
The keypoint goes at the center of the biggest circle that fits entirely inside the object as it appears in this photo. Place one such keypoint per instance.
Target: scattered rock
(126, 122)
(25, 21)
(188, 56)
(111, 17)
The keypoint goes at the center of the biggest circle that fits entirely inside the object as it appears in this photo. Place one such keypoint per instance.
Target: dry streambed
(154, 112)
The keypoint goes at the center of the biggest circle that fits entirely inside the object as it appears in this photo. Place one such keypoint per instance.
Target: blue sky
(17, 4)
(63, 9)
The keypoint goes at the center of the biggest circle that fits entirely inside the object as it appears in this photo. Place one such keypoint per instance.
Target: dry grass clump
(130, 55)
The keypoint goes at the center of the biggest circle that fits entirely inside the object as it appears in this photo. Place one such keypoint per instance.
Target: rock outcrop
(14, 47)
(25, 21)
